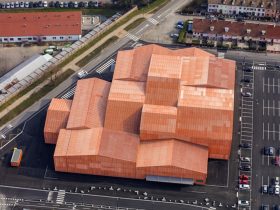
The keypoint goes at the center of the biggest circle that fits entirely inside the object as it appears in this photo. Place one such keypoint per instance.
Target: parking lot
(259, 105)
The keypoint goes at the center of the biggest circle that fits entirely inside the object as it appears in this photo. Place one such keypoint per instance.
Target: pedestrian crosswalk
(69, 94)
(133, 37)
(259, 67)
(153, 21)
(105, 66)
(60, 196)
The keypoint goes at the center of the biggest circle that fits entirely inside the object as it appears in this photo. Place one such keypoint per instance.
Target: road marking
(133, 37)
(141, 29)
(105, 66)
(69, 94)
(153, 21)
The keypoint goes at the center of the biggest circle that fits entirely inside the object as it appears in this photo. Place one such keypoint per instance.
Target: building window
(54, 37)
(61, 37)
(44, 38)
(29, 38)
(11, 39)
(5, 39)
(34, 38)
(69, 37)
(19, 39)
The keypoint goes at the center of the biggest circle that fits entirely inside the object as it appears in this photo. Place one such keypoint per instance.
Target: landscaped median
(135, 24)
(54, 70)
(35, 96)
(96, 52)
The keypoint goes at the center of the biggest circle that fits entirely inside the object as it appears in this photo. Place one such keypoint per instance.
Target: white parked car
(277, 190)
(12, 5)
(16, 4)
(21, 4)
(8, 6)
(86, 4)
(245, 159)
(45, 4)
(81, 74)
(244, 187)
(76, 4)
(61, 4)
(243, 203)
(26, 4)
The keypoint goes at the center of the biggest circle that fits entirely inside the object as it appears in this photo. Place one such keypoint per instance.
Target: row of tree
(130, 3)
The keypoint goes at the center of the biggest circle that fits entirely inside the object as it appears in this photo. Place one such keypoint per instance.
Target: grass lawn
(135, 24)
(35, 97)
(96, 52)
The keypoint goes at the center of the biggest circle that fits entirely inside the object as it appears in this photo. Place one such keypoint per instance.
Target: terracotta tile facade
(164, 114)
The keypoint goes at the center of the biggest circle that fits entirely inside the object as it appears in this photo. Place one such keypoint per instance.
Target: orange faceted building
(164, 114)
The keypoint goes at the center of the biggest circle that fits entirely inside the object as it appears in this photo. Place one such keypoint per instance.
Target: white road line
(263, 131)
(133, 37)
(268, 106)
(153, 21)
(263, 84)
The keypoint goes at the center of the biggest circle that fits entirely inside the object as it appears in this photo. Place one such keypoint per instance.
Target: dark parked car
(71, 4)
(246, 80)
(265, 207)
(276, 207)
(245, 167)
(81, 4)
(57, 4)
(51, 4)
(221, 18)
(245, 145)
(271, 190)
(276, 161)
(247, 69)
(31, 4)
(40, 4)
(270, 151)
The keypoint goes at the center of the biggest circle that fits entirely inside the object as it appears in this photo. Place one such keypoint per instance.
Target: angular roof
(158, 122)
(208, 72)
(40, 24)
(175, 153)
(57, 116)
(210, 98)
(236, 28)
(97, 142)
(134, 64)
(127, 91)
(89, 104)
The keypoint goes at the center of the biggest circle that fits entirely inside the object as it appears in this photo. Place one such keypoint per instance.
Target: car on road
(174, 35)
(245, 145)
(180, 26)
(243, 203)
(270, 151)
(271, 190)
(245, 167)
(82, 74)
(244, 187)
(277, 190)
(246, 94)
(245, 159)
(264, 189)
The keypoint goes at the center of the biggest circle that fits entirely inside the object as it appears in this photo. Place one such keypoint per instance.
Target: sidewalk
(120, 32)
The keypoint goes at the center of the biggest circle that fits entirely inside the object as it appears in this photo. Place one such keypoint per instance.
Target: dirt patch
(13, 56)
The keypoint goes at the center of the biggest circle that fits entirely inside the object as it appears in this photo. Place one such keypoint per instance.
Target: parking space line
(273, 85)
(267, 106)
(263, 84)
(263, 107)
(246, 108)
(250, 128)
(268, 87)
(263, 131)
(273, 126)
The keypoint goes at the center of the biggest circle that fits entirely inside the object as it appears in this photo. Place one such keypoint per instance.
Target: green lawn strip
(107, 12)
(35, 97)
(182, 33)
(161, 4)
(80, 51)
(135, 24)
(95, 52)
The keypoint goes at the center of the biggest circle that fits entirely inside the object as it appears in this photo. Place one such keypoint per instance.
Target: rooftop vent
(263, 32)
(212, 28)
(248, 30)
(226, 29)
